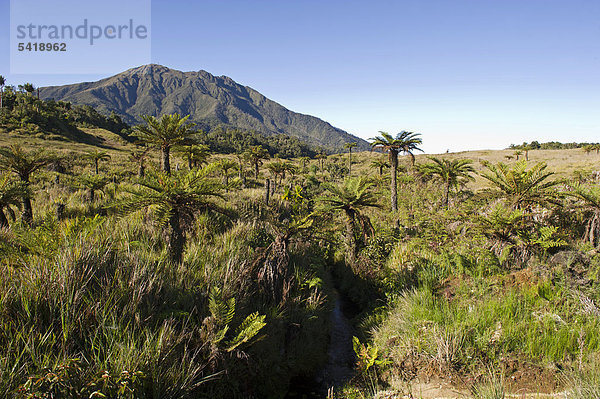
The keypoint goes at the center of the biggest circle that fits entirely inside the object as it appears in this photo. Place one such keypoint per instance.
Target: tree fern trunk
(27, 214)
(593, 229)
(166, 161)
(96, 164)
(267, 191)
(393, 173)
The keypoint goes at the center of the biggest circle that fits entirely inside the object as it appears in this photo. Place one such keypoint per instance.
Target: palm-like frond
(256, 153)
(404, 141)
(165, 132)
(589, 199)
(251, 325)
(195, 154)
(93, 182)
(380, 163)
(354, 194)
(139, 156)
(97, 155)
(521, 186)
(588, 195)
(185, 193)
(276, 167)
(226, 164)
(23, 163)
(451, 171)
(12, 192)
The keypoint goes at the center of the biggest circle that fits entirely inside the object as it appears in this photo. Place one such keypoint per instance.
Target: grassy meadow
(202, 281)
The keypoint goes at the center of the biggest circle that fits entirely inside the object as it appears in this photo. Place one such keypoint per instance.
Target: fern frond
(247, 330)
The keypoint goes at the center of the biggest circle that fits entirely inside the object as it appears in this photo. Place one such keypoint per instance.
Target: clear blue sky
(465, 74)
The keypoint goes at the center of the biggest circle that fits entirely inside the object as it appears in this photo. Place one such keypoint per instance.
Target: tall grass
(101, 290)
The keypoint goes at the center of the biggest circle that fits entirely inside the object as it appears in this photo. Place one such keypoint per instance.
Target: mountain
(209, 100)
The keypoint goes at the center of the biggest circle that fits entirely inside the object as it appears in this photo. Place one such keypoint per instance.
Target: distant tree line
(550, 145)
(226, 140)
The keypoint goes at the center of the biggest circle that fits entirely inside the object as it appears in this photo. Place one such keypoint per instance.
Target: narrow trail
(339, 368)
(340, 354)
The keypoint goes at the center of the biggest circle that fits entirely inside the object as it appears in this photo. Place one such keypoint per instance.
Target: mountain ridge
(209, 100)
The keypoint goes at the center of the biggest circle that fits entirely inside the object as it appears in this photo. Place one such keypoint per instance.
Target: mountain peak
(210, 100)
(149, 68)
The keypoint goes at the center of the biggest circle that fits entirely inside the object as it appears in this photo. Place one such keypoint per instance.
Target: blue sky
(465, 74)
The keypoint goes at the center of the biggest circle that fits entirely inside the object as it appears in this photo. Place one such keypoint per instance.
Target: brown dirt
(447, 289)
(424, 379)
(523, 278)
(523, 377)
(520, 278)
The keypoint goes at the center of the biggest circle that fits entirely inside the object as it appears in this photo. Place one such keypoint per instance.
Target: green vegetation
(23, 164)
(224, 140)
(23, 113)
(165, 133)
(452, 173)
(187, 276)
(96, 156)
(406, 142)
(255, 156)
(553, 145)
(350, 198)
(213, 102)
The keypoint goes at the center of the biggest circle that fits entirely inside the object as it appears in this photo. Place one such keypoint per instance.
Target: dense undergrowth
(89, 302)
(477, 295)
(186, 284)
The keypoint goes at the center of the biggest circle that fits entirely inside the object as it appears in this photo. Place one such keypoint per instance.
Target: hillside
(209, 100)
(24, 114)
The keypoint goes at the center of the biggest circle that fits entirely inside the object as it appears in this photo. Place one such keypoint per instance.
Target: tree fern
(522, 187)
(11, 195)
(164, 133)
(350, 198)
(174, 199)
(452, 172)
(407, 142)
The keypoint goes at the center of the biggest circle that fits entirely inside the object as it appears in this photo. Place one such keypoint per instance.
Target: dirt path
(340, 355)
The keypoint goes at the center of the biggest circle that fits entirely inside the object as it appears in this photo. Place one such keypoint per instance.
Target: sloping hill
(209, 100)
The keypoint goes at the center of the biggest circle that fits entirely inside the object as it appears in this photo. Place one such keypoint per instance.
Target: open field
(564, 163)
